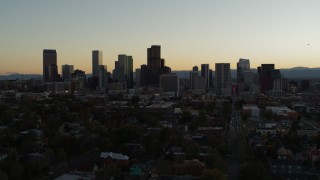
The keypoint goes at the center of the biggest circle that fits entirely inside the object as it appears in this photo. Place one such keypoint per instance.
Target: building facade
(123, 71)
(67, 71)
(223, 78)
(206, 74)
(96, 62)
(169, 83)
(50, 69)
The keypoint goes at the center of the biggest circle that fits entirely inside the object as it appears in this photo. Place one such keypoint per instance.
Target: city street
(233, 171)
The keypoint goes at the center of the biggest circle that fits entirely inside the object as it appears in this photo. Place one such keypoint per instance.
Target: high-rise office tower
(129, 72)
(154, 58)
(144, 75)
(195, 68)
(79, 73)
(206, 73)
(210, 78)
(223, 78)
(96, 62)
(103, 77)
(243, 71)
(266, 81)
(193, 75)
(155, 67)
(79, 80)
(154, 63)
(138, 77)
(50, 69)
(242, 66)
(199, 84)
(67, 71)
(170, 83)
(248, 78)
(123, 71)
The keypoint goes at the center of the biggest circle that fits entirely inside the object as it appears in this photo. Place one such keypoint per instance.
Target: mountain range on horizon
(299, 72)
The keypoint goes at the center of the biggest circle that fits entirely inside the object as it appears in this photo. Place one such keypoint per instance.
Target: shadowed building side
(50, 69)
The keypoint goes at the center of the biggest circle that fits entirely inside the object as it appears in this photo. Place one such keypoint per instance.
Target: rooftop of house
(279, 110)
(116, 156)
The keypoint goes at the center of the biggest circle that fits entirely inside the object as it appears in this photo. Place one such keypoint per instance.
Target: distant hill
(301, 73)
(20, 76)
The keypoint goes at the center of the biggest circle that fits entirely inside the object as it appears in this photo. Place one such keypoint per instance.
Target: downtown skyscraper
(50, 68)
(265, 79)
(242, 66)
(123, 71)
(96, 62)
(205, 72)
(245, 76)
(150, 73)
(223, 78)
(67, 71)
(154, 63)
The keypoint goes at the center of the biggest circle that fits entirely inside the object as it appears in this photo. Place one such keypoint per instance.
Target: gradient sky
(190, 32)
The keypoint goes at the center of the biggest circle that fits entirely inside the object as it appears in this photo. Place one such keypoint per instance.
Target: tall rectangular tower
(123, 71)
(103, 77)
(96, 62)
(205, 72)
(223, 78)
(50, 70)
(67, 70)
(169, 83)
(266, 82)
(242, 66)
(154, 57)
(154, 63)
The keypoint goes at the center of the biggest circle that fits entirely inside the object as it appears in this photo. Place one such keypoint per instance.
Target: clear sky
(190, 32)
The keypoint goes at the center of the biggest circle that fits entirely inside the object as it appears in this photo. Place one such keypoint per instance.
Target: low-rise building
(252, 110)
(120, 160)
(282, 112)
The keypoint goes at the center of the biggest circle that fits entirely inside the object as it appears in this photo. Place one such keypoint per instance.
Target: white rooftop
(116, 156)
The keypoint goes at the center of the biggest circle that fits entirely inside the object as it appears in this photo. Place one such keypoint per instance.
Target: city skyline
(190, 33)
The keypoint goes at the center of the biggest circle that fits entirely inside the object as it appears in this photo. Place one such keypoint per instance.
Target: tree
(215, 160)
(211, 106)
(164, 135)
(126, 134)
(6, 116)
(202, 115)
(110, 172)
(192, 151)
(209, 174)
(3, 175)
(267, 114)
(135, 100)
(245, 116)
(16, 170)
(186, 116)
(255, 170)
